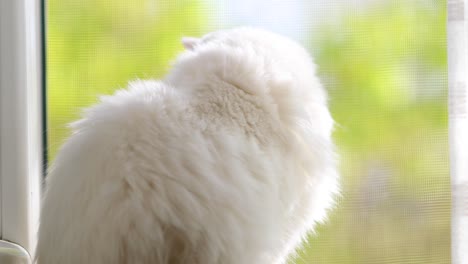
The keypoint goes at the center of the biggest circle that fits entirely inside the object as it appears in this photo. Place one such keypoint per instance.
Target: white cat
(228, 160)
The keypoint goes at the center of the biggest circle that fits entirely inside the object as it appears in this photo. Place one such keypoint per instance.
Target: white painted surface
(20, 120)
(457, 33)
(13, 254)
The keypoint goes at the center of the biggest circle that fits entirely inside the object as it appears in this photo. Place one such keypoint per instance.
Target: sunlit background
(383, 63)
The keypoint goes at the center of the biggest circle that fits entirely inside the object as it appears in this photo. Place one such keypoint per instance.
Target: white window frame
(21, 120)
(457, 53)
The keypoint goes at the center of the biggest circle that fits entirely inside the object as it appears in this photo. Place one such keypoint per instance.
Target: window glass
(382, 61)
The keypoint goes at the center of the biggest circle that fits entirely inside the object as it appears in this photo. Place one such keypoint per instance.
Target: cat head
(259, 63)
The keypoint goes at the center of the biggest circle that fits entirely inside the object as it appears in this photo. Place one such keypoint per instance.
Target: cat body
(228, 159)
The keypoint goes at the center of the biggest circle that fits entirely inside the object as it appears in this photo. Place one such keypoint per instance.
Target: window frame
(21, 120)
(457, 63)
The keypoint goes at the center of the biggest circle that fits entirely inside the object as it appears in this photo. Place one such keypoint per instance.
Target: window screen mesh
(383, 63)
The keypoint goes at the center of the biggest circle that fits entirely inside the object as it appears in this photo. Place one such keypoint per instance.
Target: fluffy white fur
(229, 159)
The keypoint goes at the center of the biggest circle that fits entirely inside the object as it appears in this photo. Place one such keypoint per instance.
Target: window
(385, 64)
(385, 70)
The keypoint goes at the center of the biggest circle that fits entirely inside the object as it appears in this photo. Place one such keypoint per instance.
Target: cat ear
(189, 42)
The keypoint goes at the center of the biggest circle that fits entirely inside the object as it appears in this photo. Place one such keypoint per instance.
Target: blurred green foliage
(385, 68)
(97, 46)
